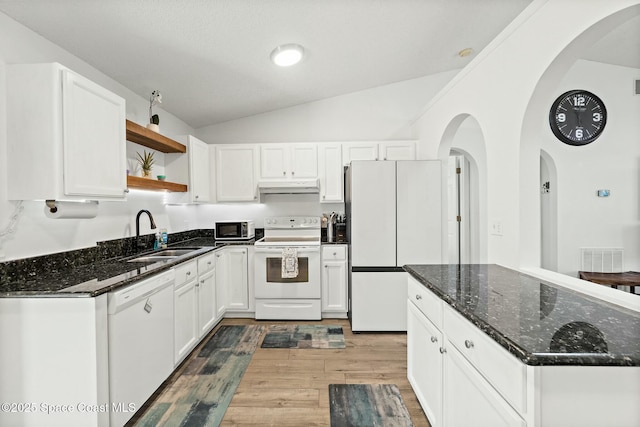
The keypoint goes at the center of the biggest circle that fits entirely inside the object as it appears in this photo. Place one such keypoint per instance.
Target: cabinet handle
(468, 343)
(443, 350)
(335, 253)
(384, 158)
(197, 285)
(126, 190)
(284, 173)
(188, 273)
(418, 296)
(434, 339)
(293, 173)
(197, 196)
(202, 281)
(323, 197)
(326, 266)
(209, 263)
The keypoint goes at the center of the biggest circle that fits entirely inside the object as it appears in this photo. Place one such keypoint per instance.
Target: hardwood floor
(284, 387)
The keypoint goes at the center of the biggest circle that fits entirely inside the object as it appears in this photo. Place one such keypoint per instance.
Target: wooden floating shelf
(154, 184)
(143, 136)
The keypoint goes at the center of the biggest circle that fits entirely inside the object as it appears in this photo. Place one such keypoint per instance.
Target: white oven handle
(278, 249)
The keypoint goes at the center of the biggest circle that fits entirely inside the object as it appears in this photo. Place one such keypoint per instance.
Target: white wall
(497, 88)
(611, 162)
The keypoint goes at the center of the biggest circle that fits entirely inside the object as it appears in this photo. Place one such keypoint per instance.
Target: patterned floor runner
(201, 394)
(370, 405)
(303, 336)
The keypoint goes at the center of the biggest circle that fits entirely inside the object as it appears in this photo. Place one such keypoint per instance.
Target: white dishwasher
(140, 343)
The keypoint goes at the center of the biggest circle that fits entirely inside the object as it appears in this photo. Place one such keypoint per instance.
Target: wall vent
(602, 260)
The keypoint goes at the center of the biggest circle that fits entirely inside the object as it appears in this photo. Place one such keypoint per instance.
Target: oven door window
(274, 271)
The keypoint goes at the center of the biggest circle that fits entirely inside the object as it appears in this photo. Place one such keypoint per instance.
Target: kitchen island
(518, 350)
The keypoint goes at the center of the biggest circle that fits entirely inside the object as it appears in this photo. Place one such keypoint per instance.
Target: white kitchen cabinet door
(425, 363)
(304, 161)
(419, 202)
(237, 281)
(334, 286)
(207, 309)
(397, 150)
(359, 151)
(222, 297)
(200, 182)
(66, 136)
(331, 173)
(378, 301)
(288, 161)
(237, 168)
(274, 161)
(483, 406)
(185, 307)
(192, 168)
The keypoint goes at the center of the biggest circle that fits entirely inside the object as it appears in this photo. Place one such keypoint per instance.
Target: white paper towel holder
(91, 205)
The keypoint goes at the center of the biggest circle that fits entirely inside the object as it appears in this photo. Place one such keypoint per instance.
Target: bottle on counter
(157, 244)
(165, 238)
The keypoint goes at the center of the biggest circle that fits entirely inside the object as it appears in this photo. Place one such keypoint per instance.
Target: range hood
(297, 186)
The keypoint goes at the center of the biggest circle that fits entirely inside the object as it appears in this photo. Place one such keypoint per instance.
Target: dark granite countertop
(539, 322)
(94, 271)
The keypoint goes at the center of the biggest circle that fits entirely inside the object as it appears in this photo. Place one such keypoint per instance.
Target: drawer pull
(418, 296)
(468, 343)
(188, 273)
(443, 350)
(209, 263)
(434, 339)
(335, 253)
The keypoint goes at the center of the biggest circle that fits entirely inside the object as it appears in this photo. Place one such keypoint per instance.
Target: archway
(463, 154)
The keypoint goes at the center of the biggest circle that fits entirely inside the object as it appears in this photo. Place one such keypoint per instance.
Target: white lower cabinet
(232, 280)
(425, 364)
(449, 386)
(194, 303)
(469, 400)
(334, 281)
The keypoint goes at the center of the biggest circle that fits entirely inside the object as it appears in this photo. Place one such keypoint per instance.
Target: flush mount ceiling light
(465, 52)
(287, 54)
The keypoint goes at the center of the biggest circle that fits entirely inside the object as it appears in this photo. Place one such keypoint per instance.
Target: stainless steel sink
(164, 254)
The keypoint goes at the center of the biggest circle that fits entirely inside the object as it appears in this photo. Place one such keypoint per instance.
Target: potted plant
(146, 162)
(154, 119)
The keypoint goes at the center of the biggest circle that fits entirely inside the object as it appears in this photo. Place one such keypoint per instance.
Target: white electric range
(287, 269)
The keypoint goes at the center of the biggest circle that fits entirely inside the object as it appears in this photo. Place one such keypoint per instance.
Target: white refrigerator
(393, 218)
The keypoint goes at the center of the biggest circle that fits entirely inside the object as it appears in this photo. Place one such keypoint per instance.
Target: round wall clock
(577, 117)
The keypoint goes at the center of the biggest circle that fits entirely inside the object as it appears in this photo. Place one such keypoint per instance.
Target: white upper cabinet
(288, 161)
(237, 167)
(359, 151)
(397, 150)
(193, 168)
(378, 150)
(66, 136)
(330, 173)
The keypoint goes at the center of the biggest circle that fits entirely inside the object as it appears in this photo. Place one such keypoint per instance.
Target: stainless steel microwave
(235, 230)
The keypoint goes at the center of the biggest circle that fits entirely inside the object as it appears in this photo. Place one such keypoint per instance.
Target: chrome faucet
(153, 226)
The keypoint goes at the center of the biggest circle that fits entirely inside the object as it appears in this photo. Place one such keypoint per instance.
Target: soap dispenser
(158, 242)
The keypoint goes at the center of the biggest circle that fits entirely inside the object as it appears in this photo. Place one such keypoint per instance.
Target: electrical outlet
(496, 227)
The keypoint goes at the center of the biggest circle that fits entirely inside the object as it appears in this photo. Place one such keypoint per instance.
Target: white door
(419, 212)
(359, 151)
(304, 161)
(334, 286)
(236, 173)
(483, 406)
(206, 302)
(274, 161)
(397, 150)
(186, 320)
(373, 214)
(200, 183)
(425, 363)
(331, 173)
(94, 139)
(237, 278)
